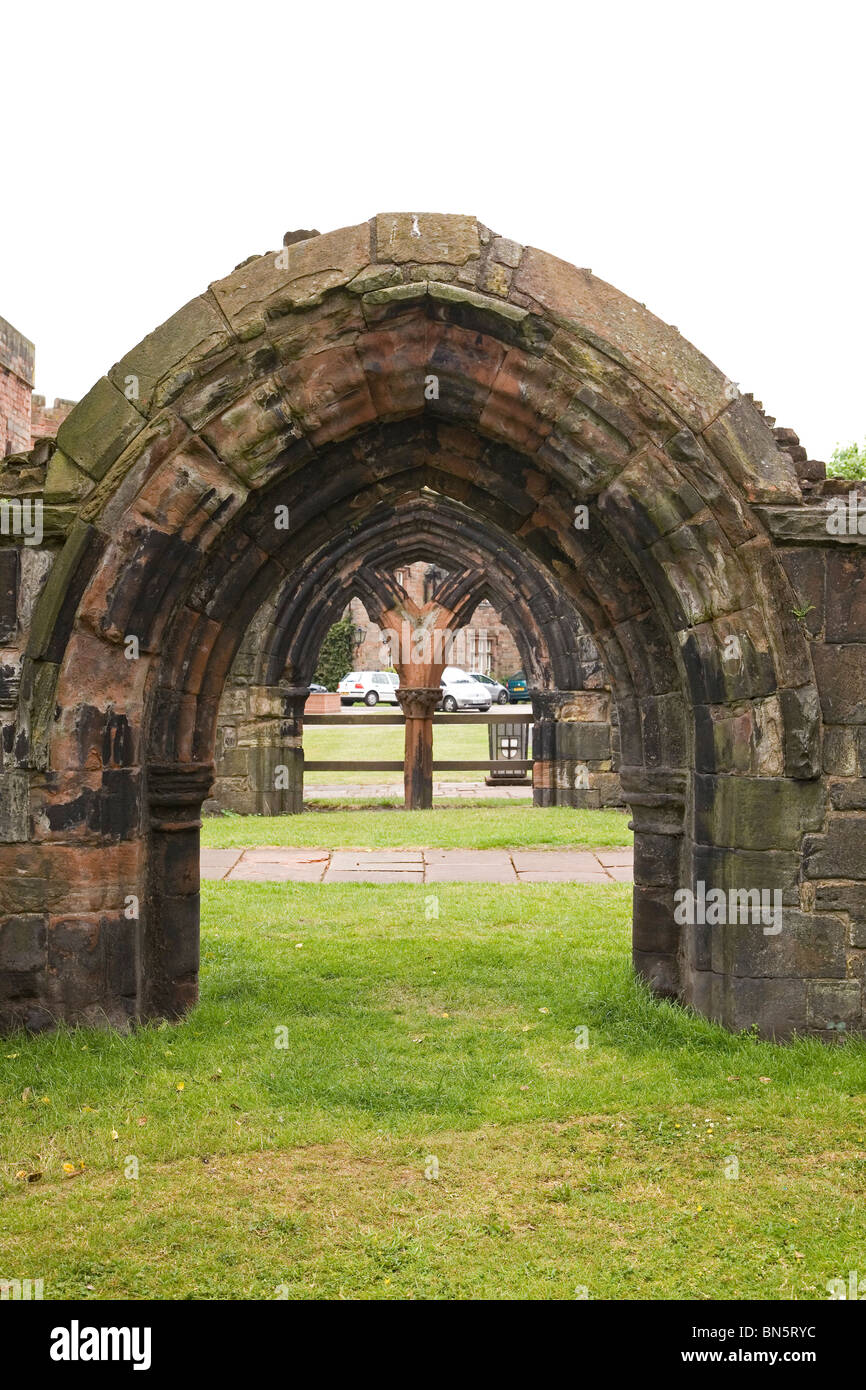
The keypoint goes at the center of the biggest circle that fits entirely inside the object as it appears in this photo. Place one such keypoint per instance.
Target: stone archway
(266, 687)
(423, 357)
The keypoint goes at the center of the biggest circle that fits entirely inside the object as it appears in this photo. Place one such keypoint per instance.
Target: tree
(337, 654)
(848, 462)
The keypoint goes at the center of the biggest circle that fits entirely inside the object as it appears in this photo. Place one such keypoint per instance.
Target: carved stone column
(418, 705)
(170, 928)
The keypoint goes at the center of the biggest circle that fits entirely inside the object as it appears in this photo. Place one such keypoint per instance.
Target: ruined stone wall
(24, 418)
(45, 420)
(723, 584)
(828, 575)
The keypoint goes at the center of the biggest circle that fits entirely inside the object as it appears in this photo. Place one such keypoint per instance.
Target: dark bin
(507, 742)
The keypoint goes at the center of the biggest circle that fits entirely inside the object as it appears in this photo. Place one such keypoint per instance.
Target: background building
(485, 644)
(24, 418)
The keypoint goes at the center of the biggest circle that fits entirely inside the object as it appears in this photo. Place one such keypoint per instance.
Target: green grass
(413, 1037)
(493, 826)
(384, 743)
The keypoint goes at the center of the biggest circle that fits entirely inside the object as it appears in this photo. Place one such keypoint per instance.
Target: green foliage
(337, 654)
(848, 462)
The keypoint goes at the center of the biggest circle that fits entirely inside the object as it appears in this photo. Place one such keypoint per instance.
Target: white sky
(707, 159)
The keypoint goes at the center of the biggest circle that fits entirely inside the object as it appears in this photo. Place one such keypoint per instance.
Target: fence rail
(355, 718)
(439, 764)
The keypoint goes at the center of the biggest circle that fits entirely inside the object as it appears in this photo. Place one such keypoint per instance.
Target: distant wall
(45, 420)
(24, 418)
(17, 361)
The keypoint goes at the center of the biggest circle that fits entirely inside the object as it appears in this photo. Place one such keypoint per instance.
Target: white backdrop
(707, 159)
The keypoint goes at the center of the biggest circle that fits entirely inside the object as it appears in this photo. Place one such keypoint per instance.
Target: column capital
(656, 798)
(175, 792)
(420, 701)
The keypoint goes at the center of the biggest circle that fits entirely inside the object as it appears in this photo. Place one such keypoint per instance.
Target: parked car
(460, 691)
(318, 689)
(498, 692)
(369, 686)
(517, 688)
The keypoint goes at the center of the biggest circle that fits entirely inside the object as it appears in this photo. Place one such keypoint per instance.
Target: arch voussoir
(418, 385)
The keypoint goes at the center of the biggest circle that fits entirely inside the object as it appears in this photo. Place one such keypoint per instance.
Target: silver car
(460, 691)
(498, 693)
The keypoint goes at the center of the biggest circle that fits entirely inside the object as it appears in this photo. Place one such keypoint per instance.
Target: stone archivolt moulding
(420, 377)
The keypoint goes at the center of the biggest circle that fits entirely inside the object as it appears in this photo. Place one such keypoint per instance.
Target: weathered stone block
(661, 973)
(772, 870)
(426, 236)
(654, 929)
(14, 806)
(657, 859)
(164, 362)
(179, 957)
(9, 566)
(849, 795)
(282, 281)
(802, 732)
(586, 706)
(776, 1007)
(584, 741)
(65, 481)
(99, 429)
(834, 1002)
(841, 853)
(744, 442)
(485, 314)
(23, 942)
(756, 812)
(69, 576)
(625, 331)
(805, 568)
(506, 252)
(120, 949)
(846, 596)
(809, 945)
(840, 751)
(841, 676)
(843, 897)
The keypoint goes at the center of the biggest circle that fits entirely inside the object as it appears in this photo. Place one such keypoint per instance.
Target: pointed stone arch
(424, 360)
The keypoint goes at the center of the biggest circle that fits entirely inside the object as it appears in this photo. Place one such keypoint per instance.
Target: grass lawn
(496, 825)
(429, 1129)
(383, 743)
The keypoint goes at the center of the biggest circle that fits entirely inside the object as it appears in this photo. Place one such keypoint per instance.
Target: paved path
(272, 865)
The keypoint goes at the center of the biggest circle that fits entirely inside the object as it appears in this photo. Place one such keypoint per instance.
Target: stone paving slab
(276, 864)
(615, 858)
(469, 866)
(565, 860)
(216, 863)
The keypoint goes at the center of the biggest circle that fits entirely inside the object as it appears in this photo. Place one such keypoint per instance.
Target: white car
(460, 691)
(369, 686)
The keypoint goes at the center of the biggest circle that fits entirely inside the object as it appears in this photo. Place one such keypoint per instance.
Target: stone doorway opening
(414, 372)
